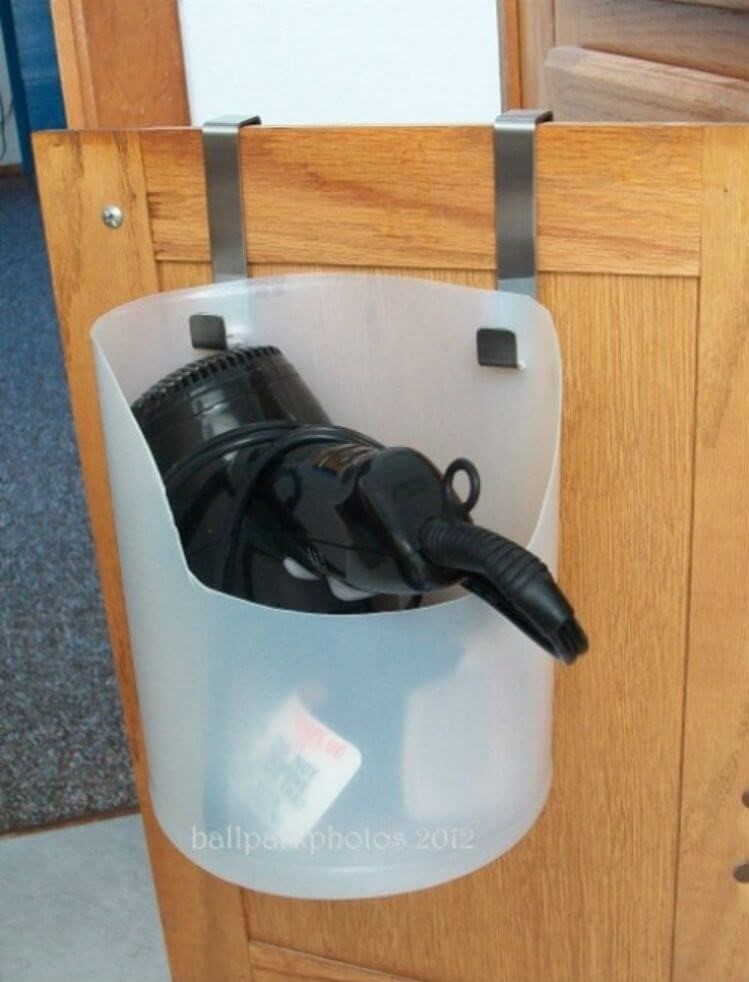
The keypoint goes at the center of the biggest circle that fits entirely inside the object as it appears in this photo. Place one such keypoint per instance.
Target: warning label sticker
(297, 770)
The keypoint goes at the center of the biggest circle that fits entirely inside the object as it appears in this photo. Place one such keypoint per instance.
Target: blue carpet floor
(62, 749)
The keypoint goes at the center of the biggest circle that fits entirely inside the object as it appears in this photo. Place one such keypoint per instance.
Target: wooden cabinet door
(640, 60)
(643, 242)
(120, 63)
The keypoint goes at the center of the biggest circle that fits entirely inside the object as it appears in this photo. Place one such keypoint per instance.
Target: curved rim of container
(352, 880)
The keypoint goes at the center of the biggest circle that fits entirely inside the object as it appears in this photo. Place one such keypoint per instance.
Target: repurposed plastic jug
(357, 755)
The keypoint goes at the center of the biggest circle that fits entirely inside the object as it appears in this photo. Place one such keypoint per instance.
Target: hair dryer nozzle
(511, 579)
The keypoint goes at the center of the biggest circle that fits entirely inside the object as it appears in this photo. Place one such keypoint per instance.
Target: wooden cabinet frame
(644, 262)
(121, 63)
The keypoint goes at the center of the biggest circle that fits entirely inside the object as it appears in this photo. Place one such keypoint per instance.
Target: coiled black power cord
(279, 438)
(279, 448)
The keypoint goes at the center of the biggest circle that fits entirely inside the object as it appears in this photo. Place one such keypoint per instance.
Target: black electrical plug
(385, 520)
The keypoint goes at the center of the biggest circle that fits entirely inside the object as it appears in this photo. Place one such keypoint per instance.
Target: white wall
(342, 61)
(13, 151)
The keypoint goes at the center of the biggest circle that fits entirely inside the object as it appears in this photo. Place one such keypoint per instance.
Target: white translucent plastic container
(342, 756)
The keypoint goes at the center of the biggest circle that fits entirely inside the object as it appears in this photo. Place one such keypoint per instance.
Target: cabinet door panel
(589, 894)
(604, 852)
(712, 923)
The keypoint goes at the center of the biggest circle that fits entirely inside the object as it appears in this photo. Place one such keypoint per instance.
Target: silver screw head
(112, 216)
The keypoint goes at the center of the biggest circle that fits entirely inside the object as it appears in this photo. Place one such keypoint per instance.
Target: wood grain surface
(94, 268)
(705, 37)
(535, 36)
(120, 63)
(75, 77)
(273, 964)
(619, 200)
(509, 55)
(176, 276)
(600, 87)
(726, 4)
(712, 926)
(401, 196)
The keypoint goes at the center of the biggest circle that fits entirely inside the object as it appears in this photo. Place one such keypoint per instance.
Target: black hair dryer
(275, 504)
